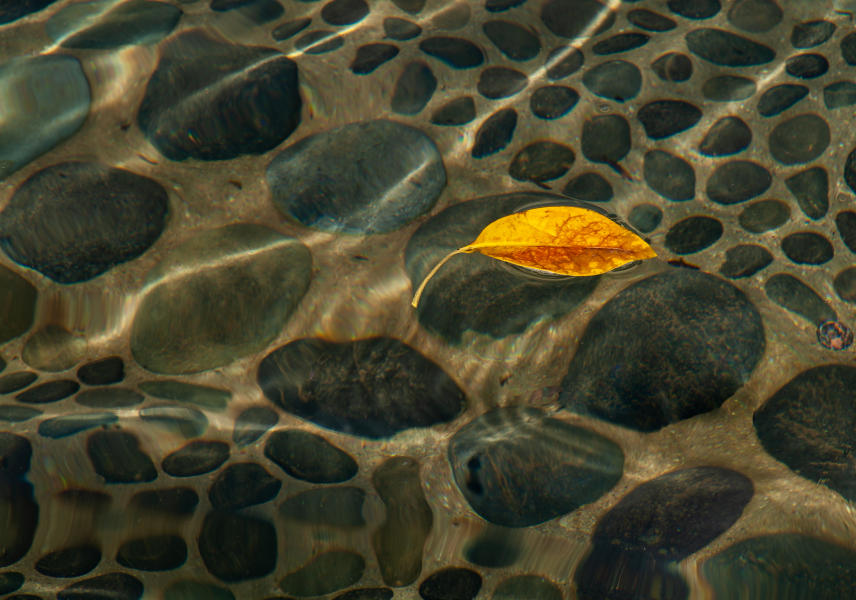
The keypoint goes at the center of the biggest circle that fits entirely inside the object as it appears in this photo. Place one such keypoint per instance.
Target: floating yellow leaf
(566, 240)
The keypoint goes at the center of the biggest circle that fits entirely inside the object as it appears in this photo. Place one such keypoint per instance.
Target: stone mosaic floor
(213, 215)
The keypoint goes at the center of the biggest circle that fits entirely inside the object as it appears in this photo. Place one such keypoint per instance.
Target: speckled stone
(242, 484)
(372, 387)
(17, 304)
(513, 40)
(808, 424)
(621, 42)
(337, 181)
(693, 234)
(459, 111)
(669, 175)
(474, 293)
(517, 467)
(665, 118)
(495, 133)
(458, 53)
(66, 425)
(617, 80)
(370, 56)
(572, 18)
(256, 291)
(309, 457)
(176, 502)
(563, 61)
(290, 28)
(553, 101)
(780, 98)
(189, 109)
(58, 100)
(744, 260)
(413, 90)
(800, 139)
(811, 190)
(811, 33)
(791, 293)
(50, 391)
(194, 590)
(399, 541)
(673, 66)
(196, 458)
(588, 187)
(737, 181)
(153, 553)
(115, 586)
(785, 565)
(645, 217)
(252, 423)
(807, 66)
(729, 135)
(807, 248)
(110, 397)
(237, 547)
(541, 161)
(400, 30)
(127, 24)
(102, 372)
(728, 88)
(764, 215)
(451, 583)
(662, 375)
(180, 391)
(53, 348)
(338, 506)
(116, 456)
(324, 573)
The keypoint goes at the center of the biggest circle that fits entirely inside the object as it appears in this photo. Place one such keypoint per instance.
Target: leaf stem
(422, 285)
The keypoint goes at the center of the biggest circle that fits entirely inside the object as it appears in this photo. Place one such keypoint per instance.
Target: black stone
(589, 187)
(800, 139)
(645, 217)
(324, 573)
(738, 181)
(693, 234)
(366, 594)
(153, 553)
(846, 223)
(513, 40)
(455, 52)
(372, 387)
(16, 414)
(19, 513)
(51, 391)
(15, 454)
(236, 547)
(102, 372)
(745, 260)
(191, 589)
(616, 80)
(811, 190)
(808, 425)
(670, 176)
(339, 506)
(411, 6)
(695, 9)
(452, 583)
(413, 88)
(127, 24)
(66, 425)
(647, 19)
(606, 139)
(319, 42)
(728, 88)
(663, 374)
(178, 501)
(370, 56)
(14, 10)
(845, 284)
(73, 221)
(309, 457)
(344, 12)
(563, 61)
(252, 423)
(258, 11)
(459, 111)
(494, 548)
(673, 66)
(541, 161)
(572, 18)
(495, 133)
(621, 42)
(501, 5)
(501, 82)
(755, 16)
(727, 49)
(400, 30)
(811, 33)
(780, 98)
(848, 49)
(117, 457)
(478, 293)
(242, 484)
(789, 292)
(807, 248)
(553, 101)
(10, 581)
(839, 94)
(850, 170)
(12, 382)
(808, 66)
(190, 108)
(290, 29)
(196, 458)
(2, 364)
(112, 586)
(517, 467)
(764, 215)
(729, 135)
(112, 397)
(664, 118)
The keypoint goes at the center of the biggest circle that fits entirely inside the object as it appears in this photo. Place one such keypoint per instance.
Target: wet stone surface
(457, 53)
(51, 391)
(513, 40)
(18, 298)
(12, 382)
(793, 294)
(309, 457)
(459, 111)
(645, 217)
(500, 82)
(130, 23)
(177, 501)
(102, 372)
(755, 16)
(800, 139)
(745, 260)
(153, 553)
(553, 101)
(117, 457)
(780, 98)
(738, 181)
(669, 175)
(563, 61)
(807, 66)
(69, 562)
(665, 118)
(413, 90)
(729, 135)
(324, 573)
(118, 586)
(196, 458)
(541, 161)
(807, 248)
(764, 215)
(728, 88)
(183, 420)
(589, 187)
(372, 56)
(340, 506)
(373, 388)
(237, 547)
(53, 348)
(845, 221)
(845, 284)
(495, 133)
(252, 423)
(727, 49)
(811, 190)
(811, 33)
(650, 20)
(673, 66)
(242, 484)
(453, 583)
(658, 379)
(201, 395)
(693, 234)
(112, 397)
(695, 9)
(617, 80)
(64, 426)
(516, 466)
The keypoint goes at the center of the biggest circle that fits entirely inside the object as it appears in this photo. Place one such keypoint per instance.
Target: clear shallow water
(213, 218)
